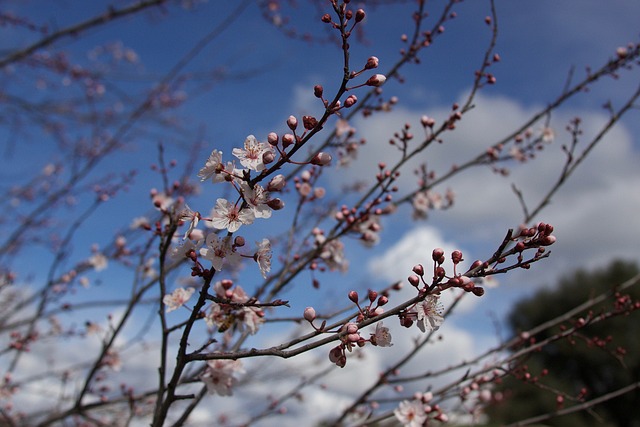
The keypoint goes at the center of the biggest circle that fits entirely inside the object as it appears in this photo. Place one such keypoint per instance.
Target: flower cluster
(351, 338)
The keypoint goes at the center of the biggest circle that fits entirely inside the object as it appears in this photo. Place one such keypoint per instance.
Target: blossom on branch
(226, 215)
(429, 314)
(411, 413)
(189, 215)
(218, 376)
(382, 336)
(263, 257)
(177, 298)
(257, 199)
(218, 250)
(251, 156)
(332, 253)
(98, 261)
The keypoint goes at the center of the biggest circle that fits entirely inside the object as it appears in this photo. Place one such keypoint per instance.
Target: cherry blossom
(212, 167)
(182, 250)
(411, 413)
(98, 261)
(263, 257)
(177, 298)
(226, 215)
(251, 156)
(189, 215)
(257, 199)
(218, 250)
(429, 314)
(332, 253)
(218, 376)
(382, 336)
(251, 318)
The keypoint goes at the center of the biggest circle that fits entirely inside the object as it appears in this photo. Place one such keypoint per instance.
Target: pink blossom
(251, 318)
(429, 314)
(251, 156)
(309, 314)
(98, 261)
(182, 250)
(263, 257)
(188, 215)
(257, 199)
(178, 298)
(382, 336)
(212, 167)
(218, 251)
(218, 376)
(332, 253)
(226, 215)
(410, 413)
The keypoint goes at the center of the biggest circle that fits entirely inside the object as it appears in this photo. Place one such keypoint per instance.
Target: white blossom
(177, 298)
(218, 376)
(263, 257)
(429, 314)
(251, 156)
(226, 215)
(410, 413)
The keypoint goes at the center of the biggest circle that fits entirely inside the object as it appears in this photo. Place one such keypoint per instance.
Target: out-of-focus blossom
(218, 376)
(411, 413)
(263, 257)
(177, 298)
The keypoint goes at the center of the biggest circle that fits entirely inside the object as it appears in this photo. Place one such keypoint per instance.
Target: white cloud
(592, 213)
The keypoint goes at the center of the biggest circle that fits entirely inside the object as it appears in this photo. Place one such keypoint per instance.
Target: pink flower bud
(309, 314)
(239, 241)
(350, 101)
(548, 240)
(351, 328)
(437, 254)
(372, 295)
(414, 280)
(277, 183)
(427, 121)
(376, 80)
(456, 257)
(309, 122)
(288, 139)
(275, 204)
(383, 300)
(353, 296)
(321, 159)
(317, 91)
(372, 62)
(292, 122)
(268, 157)
(478, 291)
(360, 14)
(272, 138)
(418, 269)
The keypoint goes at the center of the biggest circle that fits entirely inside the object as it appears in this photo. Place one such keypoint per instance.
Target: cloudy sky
(270, 76)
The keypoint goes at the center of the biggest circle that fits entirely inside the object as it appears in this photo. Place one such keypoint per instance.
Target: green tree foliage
(599, 358)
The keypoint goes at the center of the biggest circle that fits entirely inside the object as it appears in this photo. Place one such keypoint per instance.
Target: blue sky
(271, 77)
